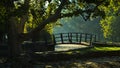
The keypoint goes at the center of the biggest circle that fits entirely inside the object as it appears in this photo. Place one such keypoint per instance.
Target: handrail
(62, 38)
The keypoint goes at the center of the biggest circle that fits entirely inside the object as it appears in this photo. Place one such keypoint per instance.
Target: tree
(42, 12)
(2, 24)
(110, 22)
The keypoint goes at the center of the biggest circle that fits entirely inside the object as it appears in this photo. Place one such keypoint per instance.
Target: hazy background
(77, 24)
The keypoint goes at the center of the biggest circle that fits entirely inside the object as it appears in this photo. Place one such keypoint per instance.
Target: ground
(97, 62)
(86, 57)
(102, 62)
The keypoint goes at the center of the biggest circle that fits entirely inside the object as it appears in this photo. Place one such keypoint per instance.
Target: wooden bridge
(74, 38)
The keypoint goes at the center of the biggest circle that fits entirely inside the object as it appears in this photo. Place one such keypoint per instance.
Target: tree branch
(49, 19)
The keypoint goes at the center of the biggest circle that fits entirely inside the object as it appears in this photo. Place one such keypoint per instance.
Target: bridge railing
(75, 38)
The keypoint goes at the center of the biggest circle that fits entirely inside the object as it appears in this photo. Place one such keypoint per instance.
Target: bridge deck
(66, 47)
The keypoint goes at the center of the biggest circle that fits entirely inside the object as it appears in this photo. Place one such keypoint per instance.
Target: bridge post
(77, 37)
(85, 37)
(91, 40)
(61, 36)
(70, 37)
(80, 38)
(54, 40)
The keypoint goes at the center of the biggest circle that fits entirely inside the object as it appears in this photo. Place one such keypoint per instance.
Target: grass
(82, 53)
(106, 48)
(93, 49)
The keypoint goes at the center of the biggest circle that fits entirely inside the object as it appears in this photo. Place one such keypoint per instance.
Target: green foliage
(2, 18)
(110, 23)
(38, 11)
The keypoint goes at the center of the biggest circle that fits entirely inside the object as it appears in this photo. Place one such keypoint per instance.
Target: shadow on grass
(82, 53)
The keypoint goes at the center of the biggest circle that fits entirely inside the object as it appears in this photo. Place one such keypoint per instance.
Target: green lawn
(105, 48)
(94, 49)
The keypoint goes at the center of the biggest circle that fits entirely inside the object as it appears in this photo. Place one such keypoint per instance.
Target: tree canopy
(40, 11)
(34, 15)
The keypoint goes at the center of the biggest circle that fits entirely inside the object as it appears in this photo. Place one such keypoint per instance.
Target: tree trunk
(14, 29)
(13, 42)
(13, 39)
(21, 24)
